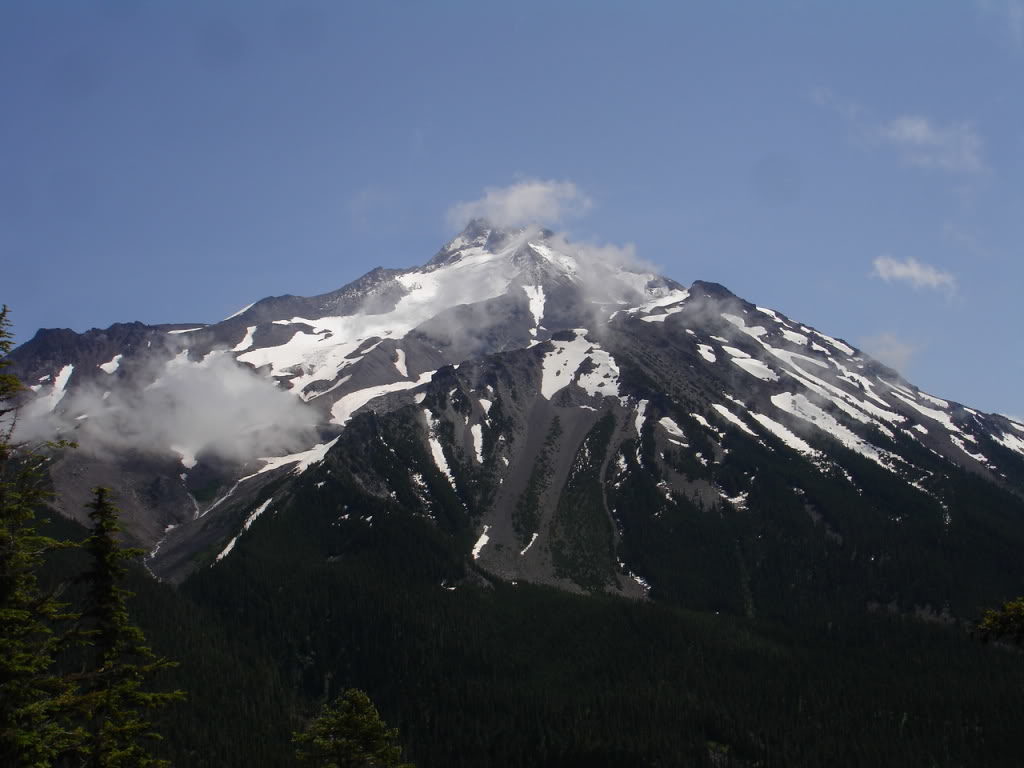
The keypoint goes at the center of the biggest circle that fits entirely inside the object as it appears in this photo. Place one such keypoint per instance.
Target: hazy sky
(856, 166)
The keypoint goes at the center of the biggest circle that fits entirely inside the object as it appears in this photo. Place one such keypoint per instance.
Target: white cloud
(889, 349)
(954, 147)
(914, 272)
(216, 406)
(529, 202)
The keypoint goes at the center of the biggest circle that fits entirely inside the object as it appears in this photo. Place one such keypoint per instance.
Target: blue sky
(856, 166)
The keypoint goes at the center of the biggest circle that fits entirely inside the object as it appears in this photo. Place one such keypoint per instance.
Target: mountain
(578, 420)
(549, 508)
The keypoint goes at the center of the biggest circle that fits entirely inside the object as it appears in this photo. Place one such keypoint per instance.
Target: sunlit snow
(784, 434)
(343, 409)
(756, 368)
(525, 549)
(561, 363)
(400, 363)
(638, 422)
(245, 526)
(671, 427)
(535, 294)
(481, 542)
(436, 451)
(244, 309)
(111, 365)
(802, 408)
(478, 441)
(303, 460)
(733, 418)
(247, 340)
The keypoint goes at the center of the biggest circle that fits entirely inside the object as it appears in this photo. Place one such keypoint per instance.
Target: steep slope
(573, 421)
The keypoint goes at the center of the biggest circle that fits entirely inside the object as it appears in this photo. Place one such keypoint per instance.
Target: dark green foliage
(581, 533)
(348, 733)
(526, 515)
(33, 698)
(524, 676)
(510, 676)
(113, 701)
(1006, 623)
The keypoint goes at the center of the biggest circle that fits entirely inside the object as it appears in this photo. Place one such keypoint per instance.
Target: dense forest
(516, 675)
(746, 658)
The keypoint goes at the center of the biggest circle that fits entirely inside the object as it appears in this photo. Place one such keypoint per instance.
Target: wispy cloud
(889, 349)
(912, 271)
(955, 147)
(528, 202)
(1010, 13)
(827, 98)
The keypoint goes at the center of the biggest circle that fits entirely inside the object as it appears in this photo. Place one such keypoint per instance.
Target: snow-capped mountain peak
(557, 332)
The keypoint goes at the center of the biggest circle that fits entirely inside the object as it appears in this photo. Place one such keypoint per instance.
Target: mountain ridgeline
(529, 466)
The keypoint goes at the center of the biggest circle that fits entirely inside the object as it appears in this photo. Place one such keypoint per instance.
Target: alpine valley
(549, 508)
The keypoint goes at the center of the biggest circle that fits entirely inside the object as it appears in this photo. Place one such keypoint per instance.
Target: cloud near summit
(528, 202)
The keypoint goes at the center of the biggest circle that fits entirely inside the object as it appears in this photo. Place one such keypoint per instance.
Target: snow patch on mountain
(756, 368)
(933, 400)
(478, 442)
(535, 295)
(794, 337)
(247, 340)
(245, 527)
(526, 549)
(400, 366)
(111, 365)
(732, 418)
(303, 460)
(242, 311)
(674, 296)
(481, 543)
(963, 447)
(799, 406)
(436, 451)
(844, 348)
(638, 421)
(347, 405)
(671, 427)
(785, 435)
(1010, 441)
(603, 378)
(561, 363)
(940, 416)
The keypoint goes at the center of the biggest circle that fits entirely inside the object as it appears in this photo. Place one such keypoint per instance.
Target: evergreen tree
(114, 700)
(33, 698)
(1006, 623)
(349, 733)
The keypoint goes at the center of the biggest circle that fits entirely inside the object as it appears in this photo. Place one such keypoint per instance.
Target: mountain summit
(573, 418)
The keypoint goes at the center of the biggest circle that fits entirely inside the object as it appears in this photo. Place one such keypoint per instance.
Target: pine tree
(349, 733)
(33, 698)
(114, 700)
(1006, 623)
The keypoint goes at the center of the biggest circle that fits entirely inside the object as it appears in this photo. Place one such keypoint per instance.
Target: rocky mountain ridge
(577, 421)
